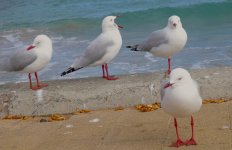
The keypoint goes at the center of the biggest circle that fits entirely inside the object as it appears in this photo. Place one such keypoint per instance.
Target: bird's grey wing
(156, 39)
(94, 52)
(20, 60)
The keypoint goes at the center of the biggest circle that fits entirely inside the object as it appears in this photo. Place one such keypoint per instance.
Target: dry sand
(127, 129)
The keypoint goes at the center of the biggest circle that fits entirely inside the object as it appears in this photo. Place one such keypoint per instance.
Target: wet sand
(66, 96)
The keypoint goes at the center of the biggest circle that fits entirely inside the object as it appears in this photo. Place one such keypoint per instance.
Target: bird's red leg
(37, 81)
(103, 71)
(39, 85)
(29, 76)
(108, 77)
(192, 140)
(169, 66)
(178, 142)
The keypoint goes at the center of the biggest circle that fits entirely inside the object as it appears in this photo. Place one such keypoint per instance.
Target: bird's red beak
(30, 47)
(168, 85)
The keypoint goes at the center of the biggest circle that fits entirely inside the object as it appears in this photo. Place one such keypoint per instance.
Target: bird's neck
(173, 29)
(105, 30)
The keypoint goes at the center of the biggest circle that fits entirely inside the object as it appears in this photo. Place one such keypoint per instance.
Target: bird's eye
(179, 78)
(111, 19)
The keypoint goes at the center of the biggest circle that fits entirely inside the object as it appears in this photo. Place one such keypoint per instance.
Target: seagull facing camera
(181, 98)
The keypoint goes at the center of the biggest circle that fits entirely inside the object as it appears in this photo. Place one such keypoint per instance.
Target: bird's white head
(178, 77)
(40, 40)
(108, 23)
(174, 22)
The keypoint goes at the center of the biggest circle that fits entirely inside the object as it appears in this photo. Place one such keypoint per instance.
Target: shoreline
(67, 96)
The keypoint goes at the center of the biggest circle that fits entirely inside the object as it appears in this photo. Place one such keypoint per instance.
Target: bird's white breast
(112, 51)
(181, 101)
(44, 55)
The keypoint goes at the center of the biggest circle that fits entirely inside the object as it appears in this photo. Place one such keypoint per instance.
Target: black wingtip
(133, 48)
(63, 73)
(68, 71)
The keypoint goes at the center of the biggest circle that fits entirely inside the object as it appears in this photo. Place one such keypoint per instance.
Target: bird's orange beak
(30, 47)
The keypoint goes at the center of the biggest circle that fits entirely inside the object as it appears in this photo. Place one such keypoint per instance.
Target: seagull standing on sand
(165, 42)
(181, 98)
(101, 50)
(32, 59)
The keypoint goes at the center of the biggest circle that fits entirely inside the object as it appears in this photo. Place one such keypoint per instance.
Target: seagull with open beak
(102, 50)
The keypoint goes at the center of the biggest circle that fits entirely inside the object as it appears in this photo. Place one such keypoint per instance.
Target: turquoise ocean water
(72, 24)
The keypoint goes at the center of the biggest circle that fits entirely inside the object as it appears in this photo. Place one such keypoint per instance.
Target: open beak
(168, 85)
(174, 24)
(30, 47)
(119, 25)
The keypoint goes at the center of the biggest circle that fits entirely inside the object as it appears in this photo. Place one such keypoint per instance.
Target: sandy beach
(69, 44)
(104, 128)
(126, 129)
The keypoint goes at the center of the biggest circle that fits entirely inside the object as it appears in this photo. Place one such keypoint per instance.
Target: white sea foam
(56, 39)
(150, 57)
(209, 47)
(30, 30)
(2, 83)
(197, 65)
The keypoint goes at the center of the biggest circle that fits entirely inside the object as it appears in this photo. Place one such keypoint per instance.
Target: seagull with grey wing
(31, 60)
(101, 50)
(165, 42)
